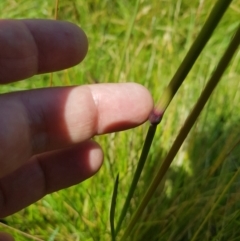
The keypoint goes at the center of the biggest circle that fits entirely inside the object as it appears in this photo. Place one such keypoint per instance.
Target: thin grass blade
(212, 83)
(113, 208)
(143, 157)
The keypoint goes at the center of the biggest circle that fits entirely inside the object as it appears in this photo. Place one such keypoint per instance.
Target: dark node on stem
(155, 117)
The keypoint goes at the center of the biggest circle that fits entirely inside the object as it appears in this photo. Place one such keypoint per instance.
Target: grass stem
(113, 207)
(143, 157)
(193, 53)
(186, 65)
(212, 83)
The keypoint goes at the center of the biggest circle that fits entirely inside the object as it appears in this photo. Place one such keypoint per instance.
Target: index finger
(44, 120)
(30, 47)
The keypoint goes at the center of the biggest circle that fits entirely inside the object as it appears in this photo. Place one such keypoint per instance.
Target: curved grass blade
(157, 114)
(212, 83)
(113, 208)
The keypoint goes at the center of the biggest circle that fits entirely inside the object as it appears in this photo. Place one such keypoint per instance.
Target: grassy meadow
(201, 191)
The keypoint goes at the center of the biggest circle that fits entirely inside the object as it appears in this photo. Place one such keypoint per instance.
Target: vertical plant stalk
(193, 53)
(143, 157)
(158, 112)
(113, 208)
(55, 18)
(212, 83)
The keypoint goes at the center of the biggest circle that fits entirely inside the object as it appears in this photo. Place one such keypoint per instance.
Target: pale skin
(45, 134)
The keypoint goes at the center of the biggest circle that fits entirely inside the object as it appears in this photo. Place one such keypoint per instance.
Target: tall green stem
(113, 207)
(212, 83)
(143, 157)
(193, 53)
(204, 35)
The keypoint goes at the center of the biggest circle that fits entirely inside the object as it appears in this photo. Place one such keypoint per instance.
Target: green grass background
(162, 33)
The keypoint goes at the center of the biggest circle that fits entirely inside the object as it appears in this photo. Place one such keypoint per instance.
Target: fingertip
(42, 46)
(80, 40)
(144, 101)
(134, 103)
(60, 44)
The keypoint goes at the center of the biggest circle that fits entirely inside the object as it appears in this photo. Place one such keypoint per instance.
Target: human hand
(45, 134)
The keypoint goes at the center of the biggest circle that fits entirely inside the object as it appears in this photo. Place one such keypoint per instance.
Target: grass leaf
(113, 207)
(142, 160)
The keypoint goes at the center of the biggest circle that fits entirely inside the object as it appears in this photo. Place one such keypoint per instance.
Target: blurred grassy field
(162, 33)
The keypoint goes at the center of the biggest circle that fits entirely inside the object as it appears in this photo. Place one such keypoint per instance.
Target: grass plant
(190, 121)
(178, 78)
(145, 42)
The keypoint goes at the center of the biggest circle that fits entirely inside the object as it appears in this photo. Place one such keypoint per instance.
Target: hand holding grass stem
(157, 114)
(212, 83)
